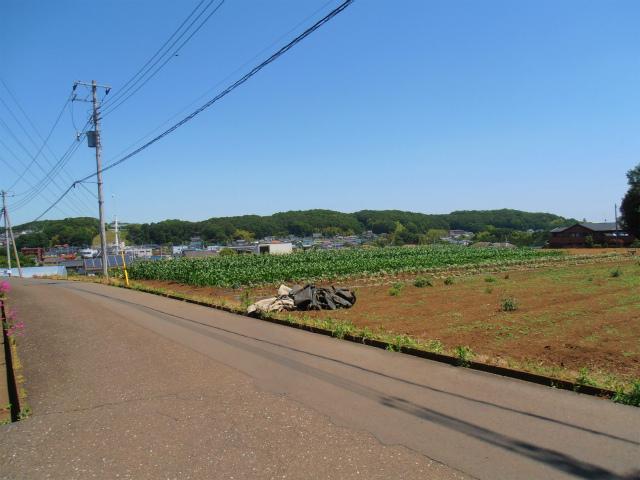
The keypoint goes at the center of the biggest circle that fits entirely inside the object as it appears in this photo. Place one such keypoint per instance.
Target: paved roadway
(129, 385)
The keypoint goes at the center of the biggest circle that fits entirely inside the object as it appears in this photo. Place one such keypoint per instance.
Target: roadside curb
(437, 357)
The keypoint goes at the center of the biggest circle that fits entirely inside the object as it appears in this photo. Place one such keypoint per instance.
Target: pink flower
(5, 287)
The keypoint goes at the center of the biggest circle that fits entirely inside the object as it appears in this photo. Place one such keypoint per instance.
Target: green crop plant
(249, 270)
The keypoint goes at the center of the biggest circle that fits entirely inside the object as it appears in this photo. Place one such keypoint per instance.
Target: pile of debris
(308, 297)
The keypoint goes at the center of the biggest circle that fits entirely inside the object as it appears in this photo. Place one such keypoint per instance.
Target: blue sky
(428, 106)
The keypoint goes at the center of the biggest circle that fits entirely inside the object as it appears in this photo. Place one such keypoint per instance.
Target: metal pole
(96, 124)
(13, 240)
(6, 228)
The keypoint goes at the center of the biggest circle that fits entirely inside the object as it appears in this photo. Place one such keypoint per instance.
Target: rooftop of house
(595, 227)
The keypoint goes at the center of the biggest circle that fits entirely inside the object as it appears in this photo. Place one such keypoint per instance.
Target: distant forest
(402, 227)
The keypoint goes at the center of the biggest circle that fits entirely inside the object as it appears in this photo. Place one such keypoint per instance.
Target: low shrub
(422, 282)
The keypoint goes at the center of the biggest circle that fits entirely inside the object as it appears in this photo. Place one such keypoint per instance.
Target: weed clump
(616, 273)
(631, 397)
(464, 355)
(245, 299)
(488, 290)
(489, 279)
(422, 282)
(448, 281)
(396, 289)
(435, 346)
(509, 304)
(583, 377)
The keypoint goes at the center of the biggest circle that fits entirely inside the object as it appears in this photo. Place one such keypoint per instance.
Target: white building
(275, 248)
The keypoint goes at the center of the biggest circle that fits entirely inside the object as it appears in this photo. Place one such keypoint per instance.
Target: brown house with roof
(586, 234)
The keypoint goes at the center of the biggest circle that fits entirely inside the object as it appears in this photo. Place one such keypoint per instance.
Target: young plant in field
(489, 279)
(488, 290)
(396, 289)
(448, 281)
(464, 355)
(616, 273)
(422, 282)
(509, 304)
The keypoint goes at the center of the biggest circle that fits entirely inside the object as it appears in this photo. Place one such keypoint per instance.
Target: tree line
(401, 226)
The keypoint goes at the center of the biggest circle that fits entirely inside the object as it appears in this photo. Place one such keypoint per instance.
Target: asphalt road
(129, 385)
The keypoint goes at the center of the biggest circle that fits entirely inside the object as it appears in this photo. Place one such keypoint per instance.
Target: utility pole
(94, 141)
(6, 229)
(7, 224)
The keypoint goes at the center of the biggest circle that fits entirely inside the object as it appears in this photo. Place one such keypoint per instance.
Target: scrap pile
(308, 297)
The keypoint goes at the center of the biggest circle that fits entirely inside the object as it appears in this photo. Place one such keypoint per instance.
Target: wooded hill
(407, 225)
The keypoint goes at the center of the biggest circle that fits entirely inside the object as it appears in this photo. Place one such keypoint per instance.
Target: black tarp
(310, 297)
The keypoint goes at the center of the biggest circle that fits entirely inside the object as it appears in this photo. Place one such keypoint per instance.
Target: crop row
(241, 270)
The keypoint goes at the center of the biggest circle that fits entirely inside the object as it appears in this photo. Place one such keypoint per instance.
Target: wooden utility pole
(95, 141)
(96, 125)
(6, 229)
(7, 223)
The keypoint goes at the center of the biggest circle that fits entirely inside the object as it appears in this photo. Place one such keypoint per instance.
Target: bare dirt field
(570, 320)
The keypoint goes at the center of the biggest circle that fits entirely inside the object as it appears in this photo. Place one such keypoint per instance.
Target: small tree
(630, 207)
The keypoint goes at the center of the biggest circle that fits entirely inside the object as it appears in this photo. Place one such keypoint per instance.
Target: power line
(55, 124)
(110, 107)
(128, 82)
(227, 77)
(219, 96)
(56, 167)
